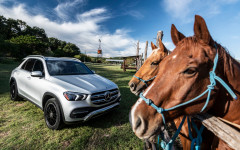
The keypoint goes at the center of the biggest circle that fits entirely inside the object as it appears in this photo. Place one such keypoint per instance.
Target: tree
(19, 40)
(27, 45)
(53, 43)
(12, 28)
(6, 47)
(3, 27)
(70, 50)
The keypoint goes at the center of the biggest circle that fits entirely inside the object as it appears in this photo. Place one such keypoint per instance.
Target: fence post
(138, 59)
(145, 52)
(159, 36)
(225, 132)
(124, 63)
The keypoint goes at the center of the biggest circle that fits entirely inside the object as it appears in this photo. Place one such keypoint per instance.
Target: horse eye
(190, 71)
(155, 63)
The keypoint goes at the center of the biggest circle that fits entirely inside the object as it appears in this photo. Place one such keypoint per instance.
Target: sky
(121, 23)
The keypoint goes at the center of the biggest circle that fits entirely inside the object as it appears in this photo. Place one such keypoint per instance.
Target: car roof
(53, 58)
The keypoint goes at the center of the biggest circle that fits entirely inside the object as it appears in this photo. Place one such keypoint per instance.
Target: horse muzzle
(136, 88)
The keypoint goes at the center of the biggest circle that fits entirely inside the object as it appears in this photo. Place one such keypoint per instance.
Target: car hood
(90, 82)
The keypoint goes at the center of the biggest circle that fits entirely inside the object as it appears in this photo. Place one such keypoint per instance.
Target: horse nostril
(138, 123)
(132, 86)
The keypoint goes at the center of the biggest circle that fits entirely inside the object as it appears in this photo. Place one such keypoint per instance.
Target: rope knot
(149, 102)
(160, 110)
(212, 76)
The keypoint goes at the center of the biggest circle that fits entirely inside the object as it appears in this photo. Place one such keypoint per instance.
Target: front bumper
(88, 113)
(81, 114)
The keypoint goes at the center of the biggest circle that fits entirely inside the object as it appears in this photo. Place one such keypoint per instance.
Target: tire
(52, 115)
(14, 92)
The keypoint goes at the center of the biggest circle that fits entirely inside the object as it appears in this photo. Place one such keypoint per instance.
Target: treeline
(17, 39)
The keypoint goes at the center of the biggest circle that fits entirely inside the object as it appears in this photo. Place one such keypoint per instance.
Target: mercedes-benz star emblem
(107, 96)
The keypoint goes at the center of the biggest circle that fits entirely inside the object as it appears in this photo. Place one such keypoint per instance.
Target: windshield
(57, 67)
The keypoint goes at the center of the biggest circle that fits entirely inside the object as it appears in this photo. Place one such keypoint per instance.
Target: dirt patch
(65, 144)
(19, 105)
(4, 134)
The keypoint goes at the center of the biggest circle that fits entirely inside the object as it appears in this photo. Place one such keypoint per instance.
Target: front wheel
(52, 115)
(14, 92)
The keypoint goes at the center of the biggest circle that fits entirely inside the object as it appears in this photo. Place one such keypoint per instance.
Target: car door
(24, 76)
(35, 85)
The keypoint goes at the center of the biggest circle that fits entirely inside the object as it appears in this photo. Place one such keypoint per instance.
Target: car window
(24, 65)
(29, 64)
(67, 68)
(38, 66)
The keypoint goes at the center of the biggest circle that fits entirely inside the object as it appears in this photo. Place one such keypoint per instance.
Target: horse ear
(161, 46)
(153, 46)
(176, 35)
(201, 30)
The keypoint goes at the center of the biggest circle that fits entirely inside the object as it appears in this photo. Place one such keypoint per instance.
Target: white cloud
(177, 8)
(134, 13)
(185, 9)
(84, 32)
(63, 10)
(169, 45)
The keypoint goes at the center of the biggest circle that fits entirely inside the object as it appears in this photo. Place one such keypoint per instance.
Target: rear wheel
(52, 115)
(14, 92)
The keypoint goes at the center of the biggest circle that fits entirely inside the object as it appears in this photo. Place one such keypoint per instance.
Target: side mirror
(36, 74)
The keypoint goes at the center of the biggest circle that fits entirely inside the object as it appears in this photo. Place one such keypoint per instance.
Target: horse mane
(226, 59)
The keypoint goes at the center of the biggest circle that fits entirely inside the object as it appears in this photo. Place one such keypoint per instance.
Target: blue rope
(212, 77)
(168, 146)
(196, 142)
(158, 141)
(145, 81)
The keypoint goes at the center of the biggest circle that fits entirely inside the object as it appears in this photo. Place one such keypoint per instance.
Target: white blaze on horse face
(134, 109)
(153, 52)
(145, 93)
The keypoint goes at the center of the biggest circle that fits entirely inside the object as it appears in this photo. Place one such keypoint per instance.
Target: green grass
(22, 124)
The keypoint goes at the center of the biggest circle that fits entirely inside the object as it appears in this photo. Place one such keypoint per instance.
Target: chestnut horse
(144, 77)
(181, 88)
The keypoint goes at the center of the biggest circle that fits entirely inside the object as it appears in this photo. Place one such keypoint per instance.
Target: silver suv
(64, 88)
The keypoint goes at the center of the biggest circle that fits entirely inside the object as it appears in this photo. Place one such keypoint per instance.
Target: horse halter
(145, 81)
(213, 77)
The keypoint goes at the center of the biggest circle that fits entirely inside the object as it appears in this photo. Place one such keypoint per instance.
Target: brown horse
(188, 77)
(149, 69)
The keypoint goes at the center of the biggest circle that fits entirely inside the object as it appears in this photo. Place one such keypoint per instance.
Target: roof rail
(36, 56)
(72, 58)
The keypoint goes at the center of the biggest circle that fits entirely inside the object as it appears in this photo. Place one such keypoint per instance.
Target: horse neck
(226, 107)
(231, 71)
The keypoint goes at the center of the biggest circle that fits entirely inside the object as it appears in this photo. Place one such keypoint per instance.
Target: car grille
(104, 97)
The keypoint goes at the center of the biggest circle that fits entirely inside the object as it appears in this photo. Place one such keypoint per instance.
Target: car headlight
(74, 96)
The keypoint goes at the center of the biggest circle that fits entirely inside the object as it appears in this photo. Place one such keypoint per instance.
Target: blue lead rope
(196, 142)
(145, 81)
(213, 77)
(168, 145)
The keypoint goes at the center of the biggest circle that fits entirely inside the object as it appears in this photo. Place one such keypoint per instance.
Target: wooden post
(228, 134)
(137, 56)
(159, 36)
(124, 63)
(145, 52)
(137, 52)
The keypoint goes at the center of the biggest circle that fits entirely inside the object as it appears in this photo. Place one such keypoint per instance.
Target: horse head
(182, 76)
(149, 69)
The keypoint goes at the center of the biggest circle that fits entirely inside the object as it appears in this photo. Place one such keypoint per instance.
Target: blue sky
(120, 23)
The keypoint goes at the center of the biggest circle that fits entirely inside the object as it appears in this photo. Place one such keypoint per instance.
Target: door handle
(29, 77)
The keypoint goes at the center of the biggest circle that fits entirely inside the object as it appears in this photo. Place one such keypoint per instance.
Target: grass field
(22, 124)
